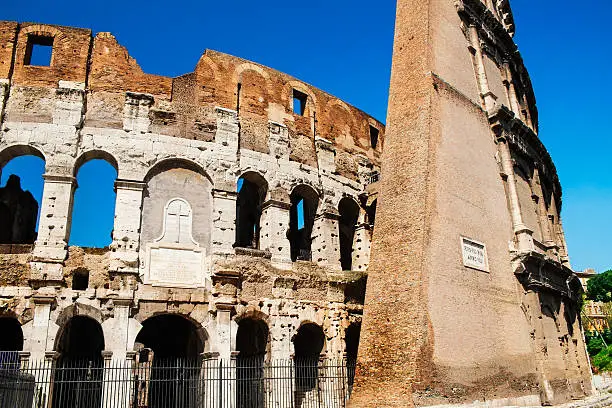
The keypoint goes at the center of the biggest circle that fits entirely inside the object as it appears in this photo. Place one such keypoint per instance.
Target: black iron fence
(176, 383)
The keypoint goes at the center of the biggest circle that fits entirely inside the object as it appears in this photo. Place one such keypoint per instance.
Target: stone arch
(252, 193)
(201, 335)
(19, 208)
(311, 105)
(168, 163)
(249, 66)
(95, 155)
(77, 309)
(308, 345)
(305, 201)
(10, 152)
(93, 199)
(44, 30)
(12, 333)
(348, 208)
(204, 63)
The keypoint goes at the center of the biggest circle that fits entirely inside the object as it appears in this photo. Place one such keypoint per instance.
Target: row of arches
(93, 211)
(80, 343)
(304, 202)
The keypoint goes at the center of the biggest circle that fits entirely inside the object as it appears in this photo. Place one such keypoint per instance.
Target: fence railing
(176, 383)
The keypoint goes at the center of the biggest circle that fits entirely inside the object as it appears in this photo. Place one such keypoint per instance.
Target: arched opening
(252, 190)
(351, 342)
(20, 195)
(251, 343)
(78, 378)
(11, 340)
(304, 203)
(308, 344)
(80, 279)
(371, 213)
(93, 212)
(349, 213)
(169, 346)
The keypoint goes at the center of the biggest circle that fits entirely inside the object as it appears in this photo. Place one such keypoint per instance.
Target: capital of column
(277, 204)
(121, 184)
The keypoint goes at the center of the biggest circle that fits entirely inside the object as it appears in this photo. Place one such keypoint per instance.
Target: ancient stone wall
(182, 147)
(468, 243)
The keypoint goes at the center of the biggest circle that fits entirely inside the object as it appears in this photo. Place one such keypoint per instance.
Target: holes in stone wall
(299, 102)
(39, 51)
(80, 279)
(93, 212)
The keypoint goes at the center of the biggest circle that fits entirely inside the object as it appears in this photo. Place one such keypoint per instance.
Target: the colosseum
(245, 210)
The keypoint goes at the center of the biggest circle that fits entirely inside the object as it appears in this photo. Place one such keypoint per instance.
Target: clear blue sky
(344, 47)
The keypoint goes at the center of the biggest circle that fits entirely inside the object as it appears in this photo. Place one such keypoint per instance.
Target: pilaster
(224, 222)
(126, 229)
(325, 239)
(136, 112)
(50, 249)
(274, 223)
(228, 128)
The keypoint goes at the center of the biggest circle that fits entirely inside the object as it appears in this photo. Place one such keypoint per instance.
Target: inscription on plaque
(175, 258)
(474, 254)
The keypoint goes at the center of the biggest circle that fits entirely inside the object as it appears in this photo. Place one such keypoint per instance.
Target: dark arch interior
(252, 191)
(371, 213)
(251, 342)
(309, 341)
(252, 338)
(351, 339)
(20, 197)
(349, 213)
(80, 364)
(81, 339)
(11, 337)
(80, 279)
(171, 336)
(304, 202)
(308, 344)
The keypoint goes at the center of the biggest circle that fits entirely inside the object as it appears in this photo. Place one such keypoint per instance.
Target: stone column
(547, 238)
(50, 249)
(136, 112)
(126, 230)
(489, 99)
(223, 233)
(325, 242)
(361, 242)
(116, 329)
(38, 341)
(514, 104)
(522, 232)
(228, 128)
(273, 235)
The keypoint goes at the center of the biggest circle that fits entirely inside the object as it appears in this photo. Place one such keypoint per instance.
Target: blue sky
(344, 47)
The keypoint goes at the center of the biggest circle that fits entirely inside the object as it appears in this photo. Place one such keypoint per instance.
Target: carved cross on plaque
(178, 222)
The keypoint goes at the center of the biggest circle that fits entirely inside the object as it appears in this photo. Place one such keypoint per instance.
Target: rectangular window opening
(300, 214)
(299, 102)
(373, 137)
(39, 51)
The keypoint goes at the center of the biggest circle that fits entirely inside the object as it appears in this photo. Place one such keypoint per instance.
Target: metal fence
(176, 383)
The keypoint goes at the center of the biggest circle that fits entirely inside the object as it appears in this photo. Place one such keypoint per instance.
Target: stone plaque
(173, 266)
(474, 254)
(175, 258)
